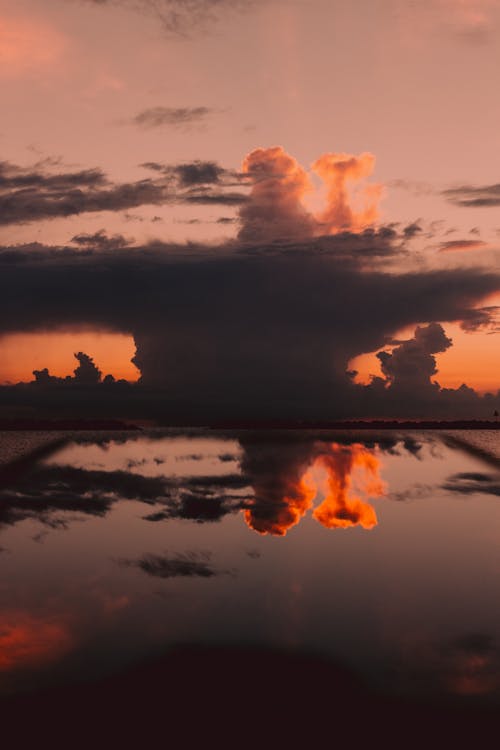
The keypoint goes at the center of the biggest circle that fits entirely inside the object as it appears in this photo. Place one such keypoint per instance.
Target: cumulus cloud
(86, 373)
(223, 333)
(275, 208)
(339, 172)
(411, 365)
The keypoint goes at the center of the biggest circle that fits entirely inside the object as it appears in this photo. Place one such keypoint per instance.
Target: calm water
(381, 553)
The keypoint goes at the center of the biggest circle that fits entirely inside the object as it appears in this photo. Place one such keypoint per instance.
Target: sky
(245, 202)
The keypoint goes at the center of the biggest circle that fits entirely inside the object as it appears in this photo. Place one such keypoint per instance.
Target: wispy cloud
(469, 196)
(175, 117)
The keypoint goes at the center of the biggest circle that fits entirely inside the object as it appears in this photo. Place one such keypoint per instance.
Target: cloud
(339, 171)
(473, 483)
(35, 194)
(27, 640)
(183, 565)
(28, 195)
(411, 364)
(86, 374)
(286, 486)
(176, 117)
(275, 208)
(267, 332)
(101, 240)
(456, 245)
(181, 17)
(468, 196)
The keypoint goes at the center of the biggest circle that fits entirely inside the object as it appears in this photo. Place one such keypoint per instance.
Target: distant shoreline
(48, 425)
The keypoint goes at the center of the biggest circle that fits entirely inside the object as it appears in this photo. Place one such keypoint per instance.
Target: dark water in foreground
(379, 554)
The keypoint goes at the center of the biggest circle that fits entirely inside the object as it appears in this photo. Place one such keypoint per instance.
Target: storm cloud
(266, 332)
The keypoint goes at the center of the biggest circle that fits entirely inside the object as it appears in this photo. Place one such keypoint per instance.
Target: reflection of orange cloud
(26, 45)
(473, 675)
(27, 640)
(287, 512)
(340, 508)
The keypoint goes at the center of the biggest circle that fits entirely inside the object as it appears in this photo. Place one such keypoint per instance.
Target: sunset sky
(201, 147)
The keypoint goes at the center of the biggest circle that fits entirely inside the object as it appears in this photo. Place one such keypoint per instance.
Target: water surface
(379, 553)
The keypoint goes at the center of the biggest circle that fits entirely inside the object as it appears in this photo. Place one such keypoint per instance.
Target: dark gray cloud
(34, 194)
(411, 365)
(28, 195)
(262, 331)
(473, 483)
(47, 492)
(469, 196)
(101, 240)
(184, 565)
(176, 117)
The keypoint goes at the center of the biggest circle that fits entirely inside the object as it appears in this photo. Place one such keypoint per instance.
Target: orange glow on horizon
(24, 352)
(341, 508)
(472, 359)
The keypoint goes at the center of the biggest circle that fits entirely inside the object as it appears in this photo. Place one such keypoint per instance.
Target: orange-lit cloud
(26, 641)
(28, 46)
(352, 205)
(275, 208)
(457, 245)
(344, 467)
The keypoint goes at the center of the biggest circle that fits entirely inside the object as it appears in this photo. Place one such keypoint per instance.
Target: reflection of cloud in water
(472, 483)
(285, 491)
(26, 640)
(274, 480)
(467, 665)
(184, 565)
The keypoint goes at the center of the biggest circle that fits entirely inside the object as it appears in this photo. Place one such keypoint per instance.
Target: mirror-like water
(379, 552)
